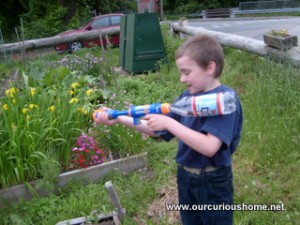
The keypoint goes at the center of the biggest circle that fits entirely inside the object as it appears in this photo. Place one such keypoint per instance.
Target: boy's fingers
(104, 108)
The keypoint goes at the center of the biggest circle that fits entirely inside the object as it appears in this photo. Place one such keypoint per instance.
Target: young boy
(204, 173)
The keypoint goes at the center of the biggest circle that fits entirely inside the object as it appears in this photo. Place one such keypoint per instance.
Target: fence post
(2, 50)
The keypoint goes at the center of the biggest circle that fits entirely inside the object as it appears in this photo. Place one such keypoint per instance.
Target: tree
(9, 15)
(43, 18)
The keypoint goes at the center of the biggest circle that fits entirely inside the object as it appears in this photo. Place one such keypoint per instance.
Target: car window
(115, 20)
(95, 24)
(102, 22)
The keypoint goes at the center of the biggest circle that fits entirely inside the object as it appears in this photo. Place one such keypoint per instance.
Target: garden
(46, 128)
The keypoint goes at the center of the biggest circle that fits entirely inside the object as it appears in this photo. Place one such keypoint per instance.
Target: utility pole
(161, 11)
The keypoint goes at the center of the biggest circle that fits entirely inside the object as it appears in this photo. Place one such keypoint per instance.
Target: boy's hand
(157, 122)
(103, 117)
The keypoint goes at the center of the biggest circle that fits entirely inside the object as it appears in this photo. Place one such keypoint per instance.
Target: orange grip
(96, 114)
(165, 108)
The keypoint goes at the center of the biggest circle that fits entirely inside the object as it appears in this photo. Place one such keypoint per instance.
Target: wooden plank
(115, 199)
(243, 43)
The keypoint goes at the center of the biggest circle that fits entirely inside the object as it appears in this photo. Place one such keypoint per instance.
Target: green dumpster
(141, 42)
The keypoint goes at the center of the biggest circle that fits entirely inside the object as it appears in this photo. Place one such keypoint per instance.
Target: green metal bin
(141, 42)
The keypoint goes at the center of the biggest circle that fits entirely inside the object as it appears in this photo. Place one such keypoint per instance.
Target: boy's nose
(182, 79)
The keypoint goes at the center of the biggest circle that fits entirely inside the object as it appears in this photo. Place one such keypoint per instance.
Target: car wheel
(75, 46)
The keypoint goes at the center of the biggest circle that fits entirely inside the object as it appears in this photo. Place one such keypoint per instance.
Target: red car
(101, 22)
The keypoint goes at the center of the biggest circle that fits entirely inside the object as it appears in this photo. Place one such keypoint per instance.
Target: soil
(106, 222)
(157, 209)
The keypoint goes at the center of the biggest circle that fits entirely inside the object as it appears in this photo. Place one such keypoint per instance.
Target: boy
(204, 174)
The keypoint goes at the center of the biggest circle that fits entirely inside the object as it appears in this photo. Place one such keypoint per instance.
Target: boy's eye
(186, 72)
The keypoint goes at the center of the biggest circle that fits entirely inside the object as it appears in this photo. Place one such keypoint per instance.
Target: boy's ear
(211, 68)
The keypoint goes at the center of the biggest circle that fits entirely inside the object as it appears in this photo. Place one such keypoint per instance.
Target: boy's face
(195, 77)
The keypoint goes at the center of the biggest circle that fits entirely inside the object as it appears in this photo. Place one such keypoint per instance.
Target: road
(250, 27)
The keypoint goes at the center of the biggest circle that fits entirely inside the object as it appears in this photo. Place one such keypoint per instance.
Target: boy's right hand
(102, 117)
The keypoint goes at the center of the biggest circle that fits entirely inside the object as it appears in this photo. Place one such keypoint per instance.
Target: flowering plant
(86, 153)
(279, 33)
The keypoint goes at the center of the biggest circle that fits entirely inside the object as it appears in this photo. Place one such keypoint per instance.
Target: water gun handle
(157, 108)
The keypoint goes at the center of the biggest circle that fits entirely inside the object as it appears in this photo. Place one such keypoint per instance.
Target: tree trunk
(244, 43)
(52, 41)
(71, 6)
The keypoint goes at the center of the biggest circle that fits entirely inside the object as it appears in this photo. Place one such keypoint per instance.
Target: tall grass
(267, 161)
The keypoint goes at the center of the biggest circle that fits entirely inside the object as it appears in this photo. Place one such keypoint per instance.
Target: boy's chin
(193, 91)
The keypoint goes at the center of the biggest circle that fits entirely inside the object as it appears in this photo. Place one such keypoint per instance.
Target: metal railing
(277, 4)
(258, 7)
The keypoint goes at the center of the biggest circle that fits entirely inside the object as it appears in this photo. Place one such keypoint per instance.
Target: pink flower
(86, 153)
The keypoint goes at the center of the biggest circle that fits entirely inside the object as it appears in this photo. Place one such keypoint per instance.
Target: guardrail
(276, 4)
(216, 13)
(237, 11)
(232, 12)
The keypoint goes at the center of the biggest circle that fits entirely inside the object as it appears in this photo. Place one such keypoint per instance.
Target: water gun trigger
(136, 121)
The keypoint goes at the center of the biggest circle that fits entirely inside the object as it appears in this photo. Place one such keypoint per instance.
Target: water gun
(135, 111)
(215, 104)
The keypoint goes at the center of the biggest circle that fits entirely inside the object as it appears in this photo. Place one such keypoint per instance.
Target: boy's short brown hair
(203, 49)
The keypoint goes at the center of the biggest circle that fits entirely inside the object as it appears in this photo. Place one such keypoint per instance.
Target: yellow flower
(280, 33)
(89, 92)
(82, 110)
(51, 108)
(75, 85)
(32, 106)
(14, 101)
(14, 127)
(11, 92)
(70, 92)
(25, 110)
(33, 91)
(73, 100)
(5, 107)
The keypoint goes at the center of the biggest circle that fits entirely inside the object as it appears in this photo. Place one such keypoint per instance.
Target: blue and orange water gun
(136, 112)
(215, 104)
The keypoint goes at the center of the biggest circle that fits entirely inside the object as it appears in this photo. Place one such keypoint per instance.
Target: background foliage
(47, 18)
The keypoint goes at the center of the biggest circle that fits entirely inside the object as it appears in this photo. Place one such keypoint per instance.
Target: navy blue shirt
(226, 127)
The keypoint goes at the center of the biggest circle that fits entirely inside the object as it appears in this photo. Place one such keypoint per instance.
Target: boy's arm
(127, 121)
(206, 144)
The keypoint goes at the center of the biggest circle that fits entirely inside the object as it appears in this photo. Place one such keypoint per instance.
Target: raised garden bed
(88, 175)
(279, 42)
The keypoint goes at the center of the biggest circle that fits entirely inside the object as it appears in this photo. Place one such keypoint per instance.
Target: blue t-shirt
(227, 128)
